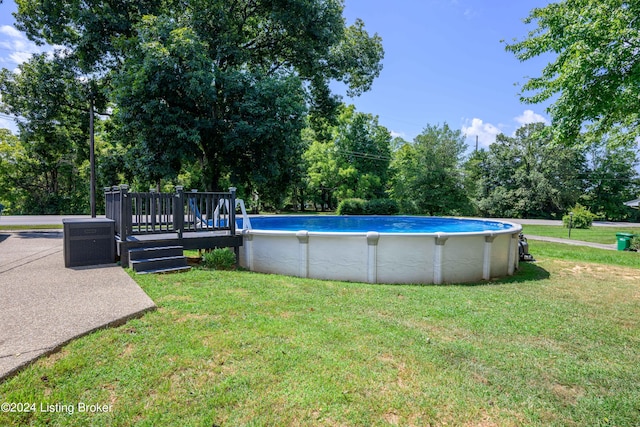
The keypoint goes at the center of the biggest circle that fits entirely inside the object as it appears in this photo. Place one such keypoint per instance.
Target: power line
(362, 155)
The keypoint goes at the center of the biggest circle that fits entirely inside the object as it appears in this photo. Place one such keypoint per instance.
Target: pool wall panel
(405, 259)
(383, 257)
(344, 261)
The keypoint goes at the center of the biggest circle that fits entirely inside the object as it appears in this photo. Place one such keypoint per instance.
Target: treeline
(520, 176)
(212, 94)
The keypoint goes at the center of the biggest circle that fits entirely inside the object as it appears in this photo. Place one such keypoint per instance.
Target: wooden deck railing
(179, 212)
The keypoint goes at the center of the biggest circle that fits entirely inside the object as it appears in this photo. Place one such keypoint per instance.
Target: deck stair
(159, 259)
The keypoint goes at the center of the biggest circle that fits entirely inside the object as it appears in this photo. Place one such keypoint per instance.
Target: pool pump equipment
(523, 249)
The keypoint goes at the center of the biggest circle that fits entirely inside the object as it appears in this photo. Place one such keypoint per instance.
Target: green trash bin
(624, 241)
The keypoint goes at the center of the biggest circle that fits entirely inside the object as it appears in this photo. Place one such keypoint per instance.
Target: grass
(582, 254)
(30, 227)
(595, 234)
(556, 344)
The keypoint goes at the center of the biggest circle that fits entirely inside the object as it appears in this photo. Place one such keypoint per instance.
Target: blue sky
(444, 62)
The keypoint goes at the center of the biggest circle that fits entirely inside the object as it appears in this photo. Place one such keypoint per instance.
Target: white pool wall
(426, 258)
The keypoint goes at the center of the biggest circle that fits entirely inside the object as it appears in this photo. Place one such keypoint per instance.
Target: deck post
(232, 211)
(153, 205)
(108, 203)
(178, 211)
(125, 212)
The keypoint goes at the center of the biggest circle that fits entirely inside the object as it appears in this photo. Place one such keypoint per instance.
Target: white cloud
(530, 117)
(486, 132)
(6, 123)
(10, 31)
(20, 57)
(395, 134)
(16, 43)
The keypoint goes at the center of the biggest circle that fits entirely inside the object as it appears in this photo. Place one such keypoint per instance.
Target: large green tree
(612, 179)
(427, 175)
(363, 150)
(353, 162)
(527, 176)
(49, 171)
(594, 76)
(223, 81)
(11, 155)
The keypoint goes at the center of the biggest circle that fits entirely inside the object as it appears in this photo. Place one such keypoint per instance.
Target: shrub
(582, 218)
(381, 207)
(635, 244)
(371, 207)
(351, 207)
(219, 259)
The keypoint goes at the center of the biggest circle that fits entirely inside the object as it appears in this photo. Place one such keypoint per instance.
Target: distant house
(633, 204)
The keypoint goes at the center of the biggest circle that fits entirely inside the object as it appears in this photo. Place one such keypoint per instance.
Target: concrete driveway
(44, 305)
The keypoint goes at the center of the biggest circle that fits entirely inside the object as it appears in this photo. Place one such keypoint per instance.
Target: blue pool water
(381, 224)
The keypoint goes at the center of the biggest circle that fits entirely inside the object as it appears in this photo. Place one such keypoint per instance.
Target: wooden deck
(192, 220)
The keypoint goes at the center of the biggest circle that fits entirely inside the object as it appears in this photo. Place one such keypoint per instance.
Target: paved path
(558, 222)
(44, 305)
(38, 219)
(612, 247)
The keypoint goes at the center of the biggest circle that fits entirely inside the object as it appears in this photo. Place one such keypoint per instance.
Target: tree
(222, 81)
(363, 148)
(427, 175)
(596, 73)
(323, 173)
(527, 176)
(354, 162)
(50, 174)
(612, 179)
(11, 153)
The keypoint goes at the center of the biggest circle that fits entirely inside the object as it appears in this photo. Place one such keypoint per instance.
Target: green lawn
(556, 344)
(30, 227)
(584, 254)
(595, 234)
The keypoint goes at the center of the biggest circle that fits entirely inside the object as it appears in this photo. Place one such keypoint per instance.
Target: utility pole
(476, 143)
(92, 159)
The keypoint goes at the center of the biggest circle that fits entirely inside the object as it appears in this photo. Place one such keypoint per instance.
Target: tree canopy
(594, 80)
(354, 162)
(527, 176)
(226, 82)
(426, 174)
(53, 132)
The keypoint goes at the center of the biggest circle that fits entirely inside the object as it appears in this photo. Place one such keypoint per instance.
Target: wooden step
(155, 252)
(161, 259)
(165, 270)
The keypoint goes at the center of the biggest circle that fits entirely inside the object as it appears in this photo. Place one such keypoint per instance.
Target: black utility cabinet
(89, 241)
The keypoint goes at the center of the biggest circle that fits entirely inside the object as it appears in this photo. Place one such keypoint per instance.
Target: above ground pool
(382, 249)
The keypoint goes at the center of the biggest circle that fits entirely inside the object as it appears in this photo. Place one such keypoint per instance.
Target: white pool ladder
(246, 222)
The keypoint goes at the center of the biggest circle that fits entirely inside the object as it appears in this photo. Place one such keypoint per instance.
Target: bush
(635, 244)
(381, 207)
(582, 218)
(351, 207)
(219, 259)
(371, 207)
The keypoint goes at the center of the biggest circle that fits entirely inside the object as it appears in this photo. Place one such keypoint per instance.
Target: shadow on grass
(527, 272)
